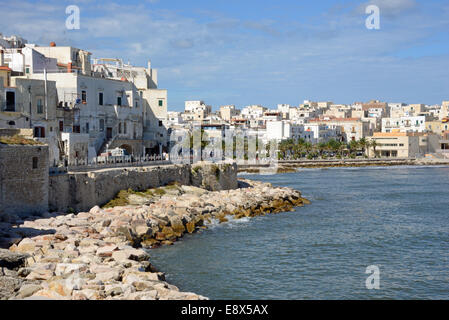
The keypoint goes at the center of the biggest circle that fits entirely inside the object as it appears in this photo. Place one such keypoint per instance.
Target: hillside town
(84, 107)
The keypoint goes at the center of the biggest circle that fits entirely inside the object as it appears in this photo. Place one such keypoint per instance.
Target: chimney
(1, 58)
(69, 67)
(149, 64)
(52, 44)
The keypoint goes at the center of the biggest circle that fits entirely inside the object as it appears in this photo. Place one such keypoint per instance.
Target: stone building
(23, 179)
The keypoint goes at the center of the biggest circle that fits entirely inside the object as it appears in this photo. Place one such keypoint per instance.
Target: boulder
(12, 260)
(8, 286)
(69, 268)
(130, 254)
(25, 246)
(28, 290)
(106, 251)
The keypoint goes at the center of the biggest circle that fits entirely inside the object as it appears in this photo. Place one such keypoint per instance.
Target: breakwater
(98, 254)
(284, 166)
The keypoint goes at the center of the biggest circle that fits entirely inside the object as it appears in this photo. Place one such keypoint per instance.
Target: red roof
(5, 68)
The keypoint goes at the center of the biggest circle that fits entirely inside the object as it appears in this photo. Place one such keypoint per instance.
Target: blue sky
(259, 52)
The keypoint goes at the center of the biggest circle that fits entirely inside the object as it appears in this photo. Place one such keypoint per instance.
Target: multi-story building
(351, 129)
(403, 144)
(174, 118)
(313, 133)
(196, 110)
(437, 126)
(376, 108)
(228, 112)
(338, 111)
(253, 112)
(103, 105)
(444, 114)
(284, 109)
(404, 124)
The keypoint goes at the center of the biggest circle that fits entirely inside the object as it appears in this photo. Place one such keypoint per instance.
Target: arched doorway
(128, 148)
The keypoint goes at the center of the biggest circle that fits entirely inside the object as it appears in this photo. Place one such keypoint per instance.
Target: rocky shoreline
(100, 254)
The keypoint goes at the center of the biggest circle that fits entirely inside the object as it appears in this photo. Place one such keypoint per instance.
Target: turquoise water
(396, 218)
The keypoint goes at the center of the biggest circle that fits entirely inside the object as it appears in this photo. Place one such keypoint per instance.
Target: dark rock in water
(12, 260)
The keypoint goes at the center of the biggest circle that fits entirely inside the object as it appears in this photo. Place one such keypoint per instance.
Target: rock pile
(98, 254)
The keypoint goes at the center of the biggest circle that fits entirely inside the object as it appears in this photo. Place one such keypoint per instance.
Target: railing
(98, 163)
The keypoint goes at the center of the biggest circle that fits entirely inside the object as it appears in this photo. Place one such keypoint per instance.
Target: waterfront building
(403, 144)
(313, 133)
(351, 129)
(404, 124)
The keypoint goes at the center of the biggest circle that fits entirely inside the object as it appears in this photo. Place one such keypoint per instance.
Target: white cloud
(226, 58)
(391, 7)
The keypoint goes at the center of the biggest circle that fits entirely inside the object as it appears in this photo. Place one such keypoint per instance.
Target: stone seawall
(81, 191)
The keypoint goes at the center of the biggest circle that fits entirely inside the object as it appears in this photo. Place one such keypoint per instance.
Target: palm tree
(353, 146)
(373, 143)
(321, 148)
(363, 143)
(333, 145)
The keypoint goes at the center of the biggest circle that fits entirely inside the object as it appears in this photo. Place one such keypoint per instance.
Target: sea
(369, 233)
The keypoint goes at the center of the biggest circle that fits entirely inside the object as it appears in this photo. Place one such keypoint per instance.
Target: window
(61, 126)
(100, 98)
(10, 101)
(39, 132)
(40, 106)
(120, 128)
(35, 162)
(83, 96)
(124, 128)
(101, 125)
(160, 123)
(119, 101)
(27, 70)
(76, 129)
(161, 103)
(87, 127)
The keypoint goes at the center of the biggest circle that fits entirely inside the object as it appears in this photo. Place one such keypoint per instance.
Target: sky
(264, 52)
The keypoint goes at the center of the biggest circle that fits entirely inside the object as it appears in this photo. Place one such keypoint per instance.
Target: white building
(253, 112)
(404, 124)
